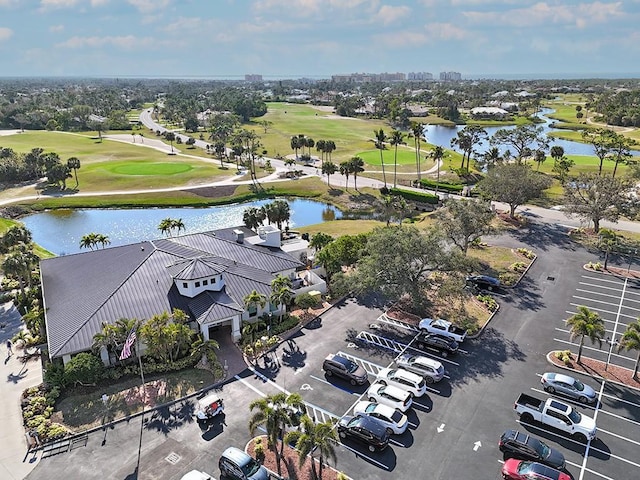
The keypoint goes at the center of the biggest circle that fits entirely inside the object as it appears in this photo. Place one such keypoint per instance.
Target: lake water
(60, 231)
(442, 136)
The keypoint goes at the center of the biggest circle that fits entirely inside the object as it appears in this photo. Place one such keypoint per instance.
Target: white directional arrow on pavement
(476, 446)
(305, 386)
(441, 428)
(351, 345)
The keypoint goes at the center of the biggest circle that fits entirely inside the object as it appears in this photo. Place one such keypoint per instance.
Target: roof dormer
(193, 276)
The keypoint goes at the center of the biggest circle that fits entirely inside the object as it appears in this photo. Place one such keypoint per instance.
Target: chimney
(239, 235)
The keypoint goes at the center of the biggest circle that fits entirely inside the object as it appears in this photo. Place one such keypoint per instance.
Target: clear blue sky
(294, 38)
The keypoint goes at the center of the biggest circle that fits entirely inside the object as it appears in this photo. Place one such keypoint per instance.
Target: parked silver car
(432, 370)
(568, 386)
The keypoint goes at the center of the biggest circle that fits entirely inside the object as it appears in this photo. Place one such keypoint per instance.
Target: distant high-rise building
(419, 76)
(369, 77)
(252, 77)
(450, 76)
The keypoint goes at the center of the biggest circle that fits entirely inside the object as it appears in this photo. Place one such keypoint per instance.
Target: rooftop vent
(239, 235)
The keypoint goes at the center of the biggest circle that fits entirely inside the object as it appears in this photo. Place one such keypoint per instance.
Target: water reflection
(442, 135)
(60, 231)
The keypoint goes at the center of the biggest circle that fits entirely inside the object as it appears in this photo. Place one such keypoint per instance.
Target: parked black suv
(344, 368)
(366, 430)
(522, 446)
(445, 345)
(483, 282)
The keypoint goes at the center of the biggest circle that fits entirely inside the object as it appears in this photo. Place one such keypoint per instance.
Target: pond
(442, 136)
(60, 231)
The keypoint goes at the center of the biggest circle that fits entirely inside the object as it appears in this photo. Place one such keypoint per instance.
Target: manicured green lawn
(111, 165)
(406, 156)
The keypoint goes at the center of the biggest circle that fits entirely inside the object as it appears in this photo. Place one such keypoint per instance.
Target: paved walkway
(15, 376)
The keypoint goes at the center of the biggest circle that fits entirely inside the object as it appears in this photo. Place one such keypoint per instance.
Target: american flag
(126, 350)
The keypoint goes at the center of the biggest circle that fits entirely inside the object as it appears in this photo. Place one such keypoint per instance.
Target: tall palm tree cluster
(92, 240)
(589, 324)
(36, 164)
(167, 338)
(19, 262)
(168, 225)
(277, 413)
(276, 212)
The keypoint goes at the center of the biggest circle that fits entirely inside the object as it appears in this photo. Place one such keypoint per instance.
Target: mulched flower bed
(596, 368)
(290, 463)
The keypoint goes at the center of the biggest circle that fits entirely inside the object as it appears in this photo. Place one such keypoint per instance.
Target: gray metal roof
(195, 268)
(85, 290)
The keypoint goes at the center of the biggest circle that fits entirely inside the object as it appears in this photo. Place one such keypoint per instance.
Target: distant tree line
(619, 108)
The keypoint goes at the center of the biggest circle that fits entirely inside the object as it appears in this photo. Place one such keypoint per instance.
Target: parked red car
(522, 470)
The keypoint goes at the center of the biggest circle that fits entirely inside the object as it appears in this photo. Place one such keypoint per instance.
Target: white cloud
(580, 15)
(127, 42)
(388, 14)
(446, 31)
(307, 8)
(403, 39)
(149, 6)
(5, 33)
(56, 28)
(53, 4)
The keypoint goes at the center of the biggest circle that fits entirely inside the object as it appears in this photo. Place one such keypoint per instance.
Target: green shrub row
(415, 196)
(37, 408)
(444, 186)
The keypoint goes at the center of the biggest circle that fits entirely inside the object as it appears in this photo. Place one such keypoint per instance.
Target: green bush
(518, 267)
(444, 186)
(526, 253)
(489, 302)
(416, 196)
(84, 368)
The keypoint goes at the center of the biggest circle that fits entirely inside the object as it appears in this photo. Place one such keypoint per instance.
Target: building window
(205, 282)
(197, 284)
(214, 280)
(185, 285)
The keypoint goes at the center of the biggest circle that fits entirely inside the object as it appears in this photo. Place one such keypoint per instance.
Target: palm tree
(249, 329)
(556, 152)
(328, 169)
(630, 340)
(320, 240)
(437, 154)
(165, 226)
(320, 147)
(178, 224)
(281, 296)
(608, 241)
(329, 147)
(356, 165)
(171, 137)
(73, 163)
(381, 137)
(314, 439)
(253, 217)
(16, 235)
(253, 300)
(204, 349)
(397, 138)
(586, 323)
(296, 143)
(90, 240)
(281, 281)
(345, 169)
(275, 413)
(19, 264)
(417, 132)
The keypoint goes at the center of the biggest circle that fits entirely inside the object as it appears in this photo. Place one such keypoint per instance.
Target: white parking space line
(588, 299)
(586, 451)
(617, 399)
(360, 454)
(320, 415)
(619, 436)
(269, 381)
(247, 384)
(617, 457)
(602, 280)
(370, 367)
(600, 311)
(608, 295)
(396, 323)
(564, 330)
(586, 347)
(331, 384)
(586, 284)
(620, 417)
(421, 405)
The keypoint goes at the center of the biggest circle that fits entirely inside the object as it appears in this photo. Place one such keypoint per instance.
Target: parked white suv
(404, 379)
(389, 395)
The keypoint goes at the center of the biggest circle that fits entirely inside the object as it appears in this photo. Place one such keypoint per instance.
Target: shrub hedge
(444, 186)
(415, 196)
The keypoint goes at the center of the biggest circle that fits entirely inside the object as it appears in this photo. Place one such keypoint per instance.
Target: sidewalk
(17, 376)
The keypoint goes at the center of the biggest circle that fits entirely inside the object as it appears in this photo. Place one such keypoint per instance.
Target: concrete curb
(596, 377)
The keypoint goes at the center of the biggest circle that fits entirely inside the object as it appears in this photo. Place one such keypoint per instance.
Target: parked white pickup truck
(443, 327)
(556, 414)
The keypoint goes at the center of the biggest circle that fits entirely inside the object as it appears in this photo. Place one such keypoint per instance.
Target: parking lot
(454, 428)
(614, 453)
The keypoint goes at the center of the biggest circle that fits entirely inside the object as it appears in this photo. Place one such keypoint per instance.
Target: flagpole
(144, 398)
